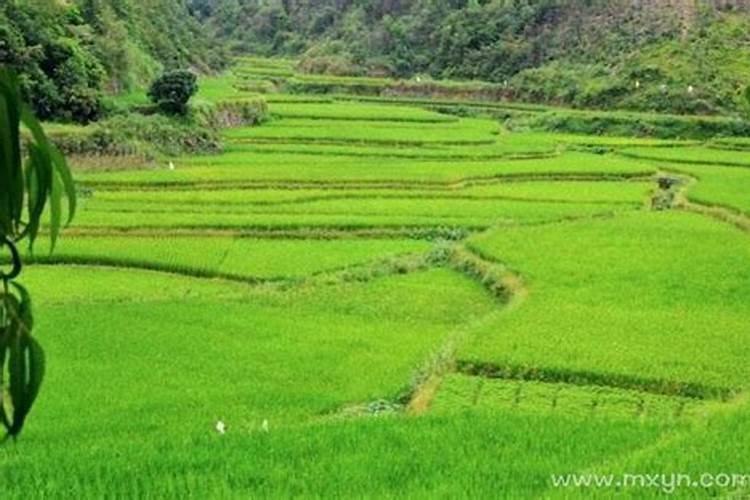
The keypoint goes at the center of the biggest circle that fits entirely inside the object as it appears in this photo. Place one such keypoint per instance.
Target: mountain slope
(68, 53)
(652, 55)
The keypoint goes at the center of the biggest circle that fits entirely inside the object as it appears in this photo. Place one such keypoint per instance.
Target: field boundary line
(503, 285)
(291, 184)
(412, 156)
(330, 141)
(428, 233)
(379, 267)
(302, 116)
(683, 161)
(693, 390)
(722, 213)
(406, 195)
(717, 212)
(665, 441)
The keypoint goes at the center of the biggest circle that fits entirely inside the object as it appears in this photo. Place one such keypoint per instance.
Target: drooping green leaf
(24, 307)
(40, 170)
(62, 169)
(36, 362)
(17, 368)
(9, 160)
(26, 361)
(53, 180)
(14, 114)
(4, 340)
(55, 206)
(43, 177)
(34, 197)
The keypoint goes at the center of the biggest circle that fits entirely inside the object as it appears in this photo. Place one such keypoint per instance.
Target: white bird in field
(221, 427)
(265, 426)
(171, 165)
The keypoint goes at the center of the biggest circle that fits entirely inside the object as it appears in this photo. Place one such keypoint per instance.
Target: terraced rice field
(381, 300)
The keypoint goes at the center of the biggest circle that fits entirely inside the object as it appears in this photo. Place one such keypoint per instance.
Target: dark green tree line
(69, 54)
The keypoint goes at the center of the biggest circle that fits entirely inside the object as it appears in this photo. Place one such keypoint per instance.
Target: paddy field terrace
(386, 295)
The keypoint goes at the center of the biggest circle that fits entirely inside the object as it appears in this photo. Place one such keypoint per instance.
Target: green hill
(682, 56)
(69, 52)
(686, 56)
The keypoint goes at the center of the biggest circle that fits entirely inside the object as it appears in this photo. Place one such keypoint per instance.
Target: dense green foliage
(48, 45)
(172, 91)
(150, 135)
(286, 88)
(686, 56)
(34, 175)
(69, 53)
(140, 135)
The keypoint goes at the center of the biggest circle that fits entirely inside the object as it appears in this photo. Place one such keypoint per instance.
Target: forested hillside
(70, 52)
(679, 56)
(689, 56)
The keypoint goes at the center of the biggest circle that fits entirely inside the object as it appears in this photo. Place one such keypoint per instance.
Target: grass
(692, 155)
(237, 257)
(418, 149)
(731, 143)
(458, 455)
(461, 393)
(218, 88)
(466, 132)
(238, 167)
(275, 335)
(564, 191)
(208, 350)
(357, 112)
(720, 186)
(723, 176)
(686, 285)
(352, 212)
(358, 254)
(684, 452)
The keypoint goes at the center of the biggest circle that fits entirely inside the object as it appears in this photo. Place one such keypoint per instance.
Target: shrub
(627, 124)
(172, 91)
(329, 65)
(234, 113)
(136, 134)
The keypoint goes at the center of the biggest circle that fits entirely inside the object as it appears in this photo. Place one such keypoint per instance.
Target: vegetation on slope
(68, 53)
(210, 279)
(685, 56)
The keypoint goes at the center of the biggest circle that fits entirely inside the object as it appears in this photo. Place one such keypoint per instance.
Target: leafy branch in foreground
(33, 176)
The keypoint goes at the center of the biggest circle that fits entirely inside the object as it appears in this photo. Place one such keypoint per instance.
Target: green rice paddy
(380, 300)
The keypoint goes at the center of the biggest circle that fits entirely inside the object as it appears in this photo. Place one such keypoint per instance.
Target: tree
(27, 188)
(172, 91)
(61, 76)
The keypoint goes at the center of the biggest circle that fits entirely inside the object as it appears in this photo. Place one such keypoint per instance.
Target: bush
(233, 113)
(172, 91)
(329, 65)
(633, 124)
(148, 134)
(60, 76)
(138, 134)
